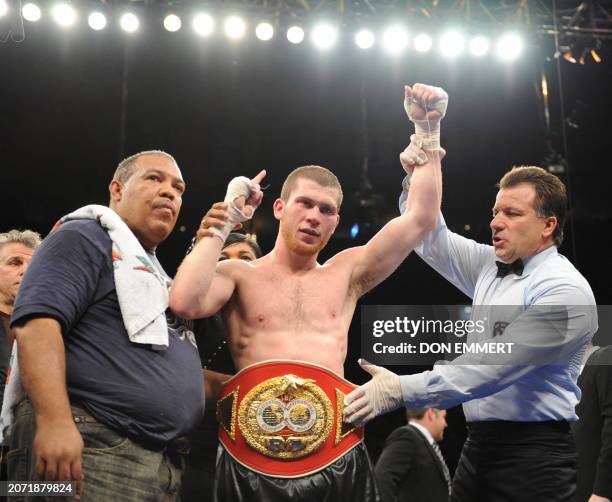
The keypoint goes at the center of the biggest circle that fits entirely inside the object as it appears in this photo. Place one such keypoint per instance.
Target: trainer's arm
(457, 258)
(57, 443)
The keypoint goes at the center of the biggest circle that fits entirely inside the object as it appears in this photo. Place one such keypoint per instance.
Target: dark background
(224, 109)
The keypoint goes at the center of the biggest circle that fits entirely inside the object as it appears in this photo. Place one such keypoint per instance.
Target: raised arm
(202, 285)
(375, 261)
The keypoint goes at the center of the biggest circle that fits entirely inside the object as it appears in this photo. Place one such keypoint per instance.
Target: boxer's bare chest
(317, 299)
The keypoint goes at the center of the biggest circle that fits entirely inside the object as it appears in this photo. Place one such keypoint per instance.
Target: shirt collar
(532, 262)
(423, 431)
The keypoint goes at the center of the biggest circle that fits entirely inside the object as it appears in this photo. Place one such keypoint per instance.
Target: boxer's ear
(279, 207)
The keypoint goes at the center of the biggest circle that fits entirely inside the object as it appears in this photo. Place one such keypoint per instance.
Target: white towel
(142, 291)
(13, 395)
(142, 288)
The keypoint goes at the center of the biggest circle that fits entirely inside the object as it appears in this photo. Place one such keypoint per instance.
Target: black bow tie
(516, 267)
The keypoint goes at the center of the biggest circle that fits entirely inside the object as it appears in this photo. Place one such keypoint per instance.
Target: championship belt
(284, 418)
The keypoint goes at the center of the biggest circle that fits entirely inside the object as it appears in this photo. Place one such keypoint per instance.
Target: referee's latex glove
(380, 395)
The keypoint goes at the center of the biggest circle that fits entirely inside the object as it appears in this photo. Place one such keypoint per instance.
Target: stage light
(479, 46)
(264, 31)
(234, 27)
(203, 24)
(509, 47)
(569, 57)
(129, 22)
(31, 12)
(395, 39)
(64, 15)
(96, 21)
(3, 7)
(295, 35)
(422, 42)
(364, 39)
(172, 22)
(452, 44)
(596, 57)
(354, 231)
(324, 36)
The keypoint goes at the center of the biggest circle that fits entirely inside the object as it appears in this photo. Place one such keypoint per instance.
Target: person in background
(411, 465)
(16, 250)
(593, 429)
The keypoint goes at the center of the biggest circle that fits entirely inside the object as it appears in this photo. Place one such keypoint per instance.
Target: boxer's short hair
(318, 174)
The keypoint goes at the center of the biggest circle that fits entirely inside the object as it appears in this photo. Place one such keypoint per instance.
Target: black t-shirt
(150, 395)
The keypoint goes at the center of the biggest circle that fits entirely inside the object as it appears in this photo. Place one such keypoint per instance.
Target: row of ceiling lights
(395, 39)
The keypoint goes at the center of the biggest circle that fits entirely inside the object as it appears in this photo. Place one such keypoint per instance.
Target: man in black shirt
(107, 408)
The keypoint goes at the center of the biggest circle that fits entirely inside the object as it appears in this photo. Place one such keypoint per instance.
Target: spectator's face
(150, 200)
(438, 424)
(518, 231)
(238, 251)
(14, 260)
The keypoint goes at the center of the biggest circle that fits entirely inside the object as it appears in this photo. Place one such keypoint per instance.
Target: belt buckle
(286, 417)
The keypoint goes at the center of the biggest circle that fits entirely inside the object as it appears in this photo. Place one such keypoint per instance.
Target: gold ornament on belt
(286, 417)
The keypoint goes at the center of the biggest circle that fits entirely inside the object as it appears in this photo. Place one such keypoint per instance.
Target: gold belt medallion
(286, 417)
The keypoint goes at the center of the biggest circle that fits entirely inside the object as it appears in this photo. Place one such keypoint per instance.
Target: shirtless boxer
(281, 421)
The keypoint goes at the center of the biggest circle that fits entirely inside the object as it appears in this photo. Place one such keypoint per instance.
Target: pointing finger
(257, 179)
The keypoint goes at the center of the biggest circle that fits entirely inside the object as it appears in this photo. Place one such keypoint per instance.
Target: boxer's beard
(301, 248)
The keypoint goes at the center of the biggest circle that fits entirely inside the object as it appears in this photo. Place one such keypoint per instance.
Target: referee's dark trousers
(516, 461)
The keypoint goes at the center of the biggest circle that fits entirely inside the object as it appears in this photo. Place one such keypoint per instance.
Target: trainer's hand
(215, 217)
(59, 453)
(380, 395)
(425, 103)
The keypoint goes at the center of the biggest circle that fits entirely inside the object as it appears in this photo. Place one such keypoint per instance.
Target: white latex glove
(380, 395)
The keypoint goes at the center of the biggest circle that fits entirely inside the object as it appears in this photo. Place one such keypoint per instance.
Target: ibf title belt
(285, 418)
